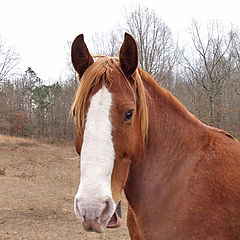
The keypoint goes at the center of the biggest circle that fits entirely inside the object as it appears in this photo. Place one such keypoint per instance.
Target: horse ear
(81, 58)
(128, 55)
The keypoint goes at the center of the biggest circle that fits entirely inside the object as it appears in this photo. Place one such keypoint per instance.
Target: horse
(181, 177)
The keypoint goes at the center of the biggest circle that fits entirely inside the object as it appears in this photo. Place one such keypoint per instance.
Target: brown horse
(181, 177)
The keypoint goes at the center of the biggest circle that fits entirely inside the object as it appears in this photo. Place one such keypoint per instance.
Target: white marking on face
(97, 154)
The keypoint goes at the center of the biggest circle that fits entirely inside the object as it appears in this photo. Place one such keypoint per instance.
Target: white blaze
(97, 154)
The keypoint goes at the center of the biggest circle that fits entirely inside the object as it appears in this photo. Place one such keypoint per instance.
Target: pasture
(37, 189)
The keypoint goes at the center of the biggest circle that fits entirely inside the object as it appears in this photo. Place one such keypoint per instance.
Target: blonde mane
(99, 73)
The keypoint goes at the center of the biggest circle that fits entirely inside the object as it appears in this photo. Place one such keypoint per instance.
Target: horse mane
(99, 73)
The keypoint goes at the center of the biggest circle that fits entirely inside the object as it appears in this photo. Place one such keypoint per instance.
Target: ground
(38, 182)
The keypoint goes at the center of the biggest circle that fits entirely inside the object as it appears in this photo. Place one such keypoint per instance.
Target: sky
(39, 30)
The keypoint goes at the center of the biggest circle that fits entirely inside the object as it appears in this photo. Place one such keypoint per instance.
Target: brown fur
(183, 180)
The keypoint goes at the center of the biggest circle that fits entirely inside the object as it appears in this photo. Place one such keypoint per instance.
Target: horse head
(111, 124)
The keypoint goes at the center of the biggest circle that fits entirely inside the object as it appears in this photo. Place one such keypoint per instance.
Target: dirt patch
(37, 191)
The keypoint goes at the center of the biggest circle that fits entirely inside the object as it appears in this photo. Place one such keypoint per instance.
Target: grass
(20, 141)
(9, 140)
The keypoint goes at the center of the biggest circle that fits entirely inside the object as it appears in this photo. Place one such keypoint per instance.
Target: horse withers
(180, 176)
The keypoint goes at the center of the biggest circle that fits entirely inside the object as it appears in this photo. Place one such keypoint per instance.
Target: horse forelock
(98, 74)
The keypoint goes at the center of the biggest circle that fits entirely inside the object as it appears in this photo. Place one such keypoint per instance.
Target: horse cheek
(136, 142)
(119, 177)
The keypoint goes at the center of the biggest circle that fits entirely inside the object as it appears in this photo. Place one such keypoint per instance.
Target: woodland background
(204, 75)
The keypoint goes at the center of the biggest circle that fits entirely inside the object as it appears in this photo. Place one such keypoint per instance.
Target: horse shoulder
(214, 189)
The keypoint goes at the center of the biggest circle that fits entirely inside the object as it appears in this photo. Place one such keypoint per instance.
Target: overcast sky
(39, 30)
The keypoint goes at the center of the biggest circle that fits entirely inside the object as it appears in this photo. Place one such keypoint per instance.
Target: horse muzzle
(94, 213)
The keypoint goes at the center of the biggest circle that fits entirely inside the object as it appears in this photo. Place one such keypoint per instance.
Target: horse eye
(128, 115)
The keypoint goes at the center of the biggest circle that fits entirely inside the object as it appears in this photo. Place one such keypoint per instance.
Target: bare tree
(71, 75)
(211, 66)
(157, 54)
(106, 44)
(8, 60)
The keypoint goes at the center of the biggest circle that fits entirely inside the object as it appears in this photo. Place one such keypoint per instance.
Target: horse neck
(172, 128)
(173, 138)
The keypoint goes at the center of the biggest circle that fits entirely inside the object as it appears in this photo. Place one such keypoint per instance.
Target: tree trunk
(211, 110)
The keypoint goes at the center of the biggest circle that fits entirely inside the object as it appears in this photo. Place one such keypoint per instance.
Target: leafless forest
(203, 73)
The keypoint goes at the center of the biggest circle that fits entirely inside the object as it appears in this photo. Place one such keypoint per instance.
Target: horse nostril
(108, 210)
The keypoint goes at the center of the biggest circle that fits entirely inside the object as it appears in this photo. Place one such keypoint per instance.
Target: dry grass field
(38, 182)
